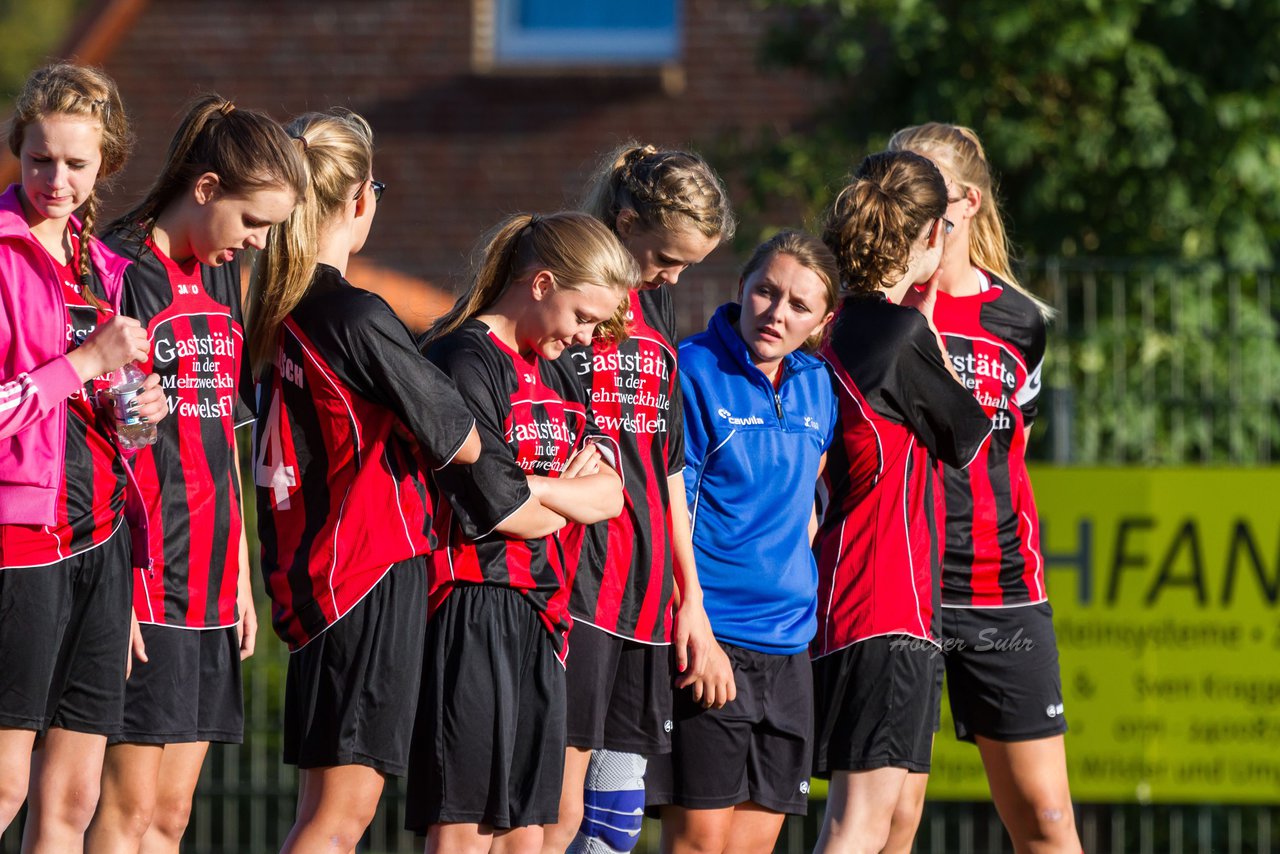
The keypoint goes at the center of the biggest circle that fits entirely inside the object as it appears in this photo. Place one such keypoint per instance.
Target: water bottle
(131, 431)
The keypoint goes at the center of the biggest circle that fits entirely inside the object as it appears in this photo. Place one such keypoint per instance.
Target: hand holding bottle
(115, 343)
(133, 428)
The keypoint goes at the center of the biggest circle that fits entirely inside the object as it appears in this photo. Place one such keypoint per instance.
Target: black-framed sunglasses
(377, 186)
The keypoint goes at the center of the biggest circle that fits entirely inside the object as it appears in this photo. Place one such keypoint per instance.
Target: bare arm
(532, 521)
(586, 498)
(247, 627)
(470, 450)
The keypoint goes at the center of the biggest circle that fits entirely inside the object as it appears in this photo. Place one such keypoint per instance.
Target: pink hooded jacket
(36, 378)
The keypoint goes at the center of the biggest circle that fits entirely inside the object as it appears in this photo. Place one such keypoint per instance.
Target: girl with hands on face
(992, 566)
(901, 411)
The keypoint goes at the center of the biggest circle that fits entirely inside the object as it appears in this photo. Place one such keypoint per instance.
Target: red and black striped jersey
(350, 419)
(626, 585)
(531, 412)
(877, 547)
(92, 492)
(996, 341)
(187, 479)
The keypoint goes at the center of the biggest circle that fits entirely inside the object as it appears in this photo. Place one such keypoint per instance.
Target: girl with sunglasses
(759, 414)
(490, 738)
(230, 174)
(669, 210)
(351, 421)
(64, 543)
(900, 410)
(992, 568)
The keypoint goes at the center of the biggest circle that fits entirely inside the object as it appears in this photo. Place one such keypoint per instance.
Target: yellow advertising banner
(1164, 586)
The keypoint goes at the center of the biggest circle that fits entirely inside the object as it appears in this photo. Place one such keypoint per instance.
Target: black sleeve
(1027, 397)
(246, 406)
(492, 488)
(675, 428)
(1016, 319)
(385, 367)
(661, 311)
(942, 412)
(1032, 343)
(662, 317)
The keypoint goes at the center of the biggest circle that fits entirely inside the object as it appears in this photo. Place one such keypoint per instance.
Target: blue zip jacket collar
(724, 325)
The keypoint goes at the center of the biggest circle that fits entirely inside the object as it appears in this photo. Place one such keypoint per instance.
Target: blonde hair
(958, 152)
(812, 254)
(669, 191)
(246, 149)
(574, 247)
(876, 219)
(76, 90)
(337, 152)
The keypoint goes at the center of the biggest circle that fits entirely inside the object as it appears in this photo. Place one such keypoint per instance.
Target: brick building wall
(458, 148)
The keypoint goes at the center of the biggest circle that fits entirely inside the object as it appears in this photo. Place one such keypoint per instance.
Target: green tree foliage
(32, 29)
(1159, 363)
(1118, 127)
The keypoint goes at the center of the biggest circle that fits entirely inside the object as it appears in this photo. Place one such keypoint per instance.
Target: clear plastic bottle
(131, 430)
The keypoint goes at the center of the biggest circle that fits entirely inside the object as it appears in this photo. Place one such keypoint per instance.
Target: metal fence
(1148, 363)
(1159, 364)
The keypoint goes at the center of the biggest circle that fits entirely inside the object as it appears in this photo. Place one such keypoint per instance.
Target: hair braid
(84, 264)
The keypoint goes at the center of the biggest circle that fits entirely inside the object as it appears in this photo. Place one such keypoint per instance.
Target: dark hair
(876, 219)
(76, 90)
(248, 150)
(810, 253)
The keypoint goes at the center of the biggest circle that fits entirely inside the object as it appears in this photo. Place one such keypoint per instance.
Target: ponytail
(667, 190)
(246, 149)
(336, 152)
(492, 275)
(575, 248)
(876, 219)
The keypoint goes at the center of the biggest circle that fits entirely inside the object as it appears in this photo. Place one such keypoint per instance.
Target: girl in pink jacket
(64, 545)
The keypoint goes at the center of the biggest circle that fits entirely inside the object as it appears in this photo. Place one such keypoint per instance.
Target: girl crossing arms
(490, 736)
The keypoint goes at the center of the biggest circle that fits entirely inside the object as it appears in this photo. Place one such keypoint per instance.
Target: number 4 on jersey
(274, 473)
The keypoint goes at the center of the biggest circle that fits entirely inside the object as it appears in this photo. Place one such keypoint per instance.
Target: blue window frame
(613, 32)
